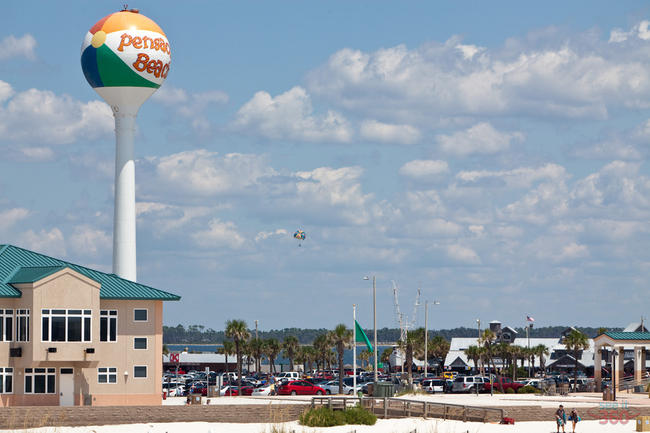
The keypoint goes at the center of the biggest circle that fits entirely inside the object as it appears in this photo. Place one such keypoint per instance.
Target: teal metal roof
(19, 264)
(619, 335)
(32, 274)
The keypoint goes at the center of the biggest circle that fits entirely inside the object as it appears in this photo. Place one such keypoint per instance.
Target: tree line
(326, 350)
(199, 334)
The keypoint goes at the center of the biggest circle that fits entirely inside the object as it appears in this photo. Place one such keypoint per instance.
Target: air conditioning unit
(90, 350)
(51, 349)
(15, 352)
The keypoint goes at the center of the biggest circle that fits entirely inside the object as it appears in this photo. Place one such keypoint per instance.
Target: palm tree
(228, 348)
(473, 353)
(541, 351)
(256, 349)
(576, 342)
(385, 356)
(515, 353)
(247, 353)
(322, 347)
(291, 345)
(341, 337)
(365, 356)
(487, 341)
(413, 346)
(309, 356)
(272, 349)
(238, 331)
(438, 348)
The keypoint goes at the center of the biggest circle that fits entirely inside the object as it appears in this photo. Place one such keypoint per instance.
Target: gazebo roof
(619, 335)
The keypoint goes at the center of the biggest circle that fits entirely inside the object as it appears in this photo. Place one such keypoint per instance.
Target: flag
(530, 319)
(361, 336)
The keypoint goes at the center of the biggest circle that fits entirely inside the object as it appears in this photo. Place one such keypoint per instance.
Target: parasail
(300, 236)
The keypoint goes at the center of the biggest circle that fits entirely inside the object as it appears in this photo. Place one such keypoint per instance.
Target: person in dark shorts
(560, 418)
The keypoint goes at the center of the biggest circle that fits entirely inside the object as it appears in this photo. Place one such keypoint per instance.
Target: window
(140, 371)
(6, 324)
(40, 380)
(22, 325)
(66, 325)
(108, 325)
(107, 375)
(140, 343)
(140, 315)
(6, 380)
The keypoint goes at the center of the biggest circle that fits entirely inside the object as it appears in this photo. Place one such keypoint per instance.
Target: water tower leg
(124, 256)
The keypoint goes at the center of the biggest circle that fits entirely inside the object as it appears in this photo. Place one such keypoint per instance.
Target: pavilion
(618, 342)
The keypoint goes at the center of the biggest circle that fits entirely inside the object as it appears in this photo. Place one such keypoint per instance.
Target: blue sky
(491, 153)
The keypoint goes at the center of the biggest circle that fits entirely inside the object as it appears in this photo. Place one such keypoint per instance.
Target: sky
(491, 154)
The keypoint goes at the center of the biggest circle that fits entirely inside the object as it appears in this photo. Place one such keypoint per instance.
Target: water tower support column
(124, 256)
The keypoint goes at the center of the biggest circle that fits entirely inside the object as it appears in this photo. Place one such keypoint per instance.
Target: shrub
(325, 417)
(510, 391)
(528, 389)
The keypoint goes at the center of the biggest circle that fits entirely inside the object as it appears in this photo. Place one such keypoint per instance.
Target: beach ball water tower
(125, 57)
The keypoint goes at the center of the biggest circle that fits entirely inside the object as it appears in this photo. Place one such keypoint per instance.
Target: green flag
(361, 336)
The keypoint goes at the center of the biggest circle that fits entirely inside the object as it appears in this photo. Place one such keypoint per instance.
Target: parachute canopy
(300, 235)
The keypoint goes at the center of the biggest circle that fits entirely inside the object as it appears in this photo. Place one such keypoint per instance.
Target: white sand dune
(382, 426)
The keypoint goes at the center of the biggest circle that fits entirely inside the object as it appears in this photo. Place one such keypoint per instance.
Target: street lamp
(374, 314)
(426, 335)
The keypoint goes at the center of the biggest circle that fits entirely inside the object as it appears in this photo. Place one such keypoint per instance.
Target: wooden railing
(389, 407)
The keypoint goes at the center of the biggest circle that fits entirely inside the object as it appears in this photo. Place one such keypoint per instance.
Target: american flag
(530, 319)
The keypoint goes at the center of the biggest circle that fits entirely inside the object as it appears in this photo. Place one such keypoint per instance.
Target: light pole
(374, 314)
(426, 335)
(478, 327)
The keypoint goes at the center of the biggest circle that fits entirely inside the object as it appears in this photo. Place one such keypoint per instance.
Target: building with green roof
(71, 335)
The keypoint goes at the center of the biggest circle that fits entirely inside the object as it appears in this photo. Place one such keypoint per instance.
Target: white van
(287, 375)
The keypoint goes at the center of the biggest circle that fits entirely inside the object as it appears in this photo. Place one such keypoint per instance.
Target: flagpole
(354, 349)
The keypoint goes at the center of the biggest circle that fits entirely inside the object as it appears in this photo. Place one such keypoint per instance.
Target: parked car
(502, 383)
(450, 375)
(299, 387)
(228, 391)
(266, 389)
(287, 375)
(332, 387)
(433, 385)
(467, 383)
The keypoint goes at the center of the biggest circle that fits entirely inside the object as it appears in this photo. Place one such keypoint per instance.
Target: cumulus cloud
(51, 242)
(424, 169)
(191, 106)
(11, 216)
(463, 254)
(389, 133)
(219, 233)
(23, 46)
(86, 240)
(202, 172)
(290, 116)
(440, 81)
(522, 177)
(41, 116)
(261, 236)
(481, 138)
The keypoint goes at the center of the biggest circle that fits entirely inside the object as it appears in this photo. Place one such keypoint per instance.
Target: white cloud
(290, 116)
(191, 106)
(219, 234)
(37, 153)
(86, 240)
(261, 236)
(389, 133)
(573, 251)
(49, 242)
(463, 254)
(202, 172)
(43, 117)
(522, 177)
(11, 216)
(424, 169)
(481, 138)
(577, 78)
(23, 46)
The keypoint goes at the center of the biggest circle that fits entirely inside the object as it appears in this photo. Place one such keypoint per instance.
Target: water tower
(125, 57)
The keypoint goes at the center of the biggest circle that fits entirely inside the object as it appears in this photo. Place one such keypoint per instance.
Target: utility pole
(374, 313)
(426, 337)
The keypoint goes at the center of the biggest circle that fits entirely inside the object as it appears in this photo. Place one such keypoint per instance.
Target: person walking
(574, 418)
(560, 418)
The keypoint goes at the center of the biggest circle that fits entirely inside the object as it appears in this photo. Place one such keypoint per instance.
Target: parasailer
(300, 236)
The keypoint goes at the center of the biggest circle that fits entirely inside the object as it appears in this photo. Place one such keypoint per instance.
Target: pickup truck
(502, 383)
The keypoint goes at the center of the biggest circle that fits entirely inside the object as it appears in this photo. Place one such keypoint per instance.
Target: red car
(300, 387)
(503, 383)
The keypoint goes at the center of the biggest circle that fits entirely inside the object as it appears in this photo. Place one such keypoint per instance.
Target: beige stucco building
(70, 335)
